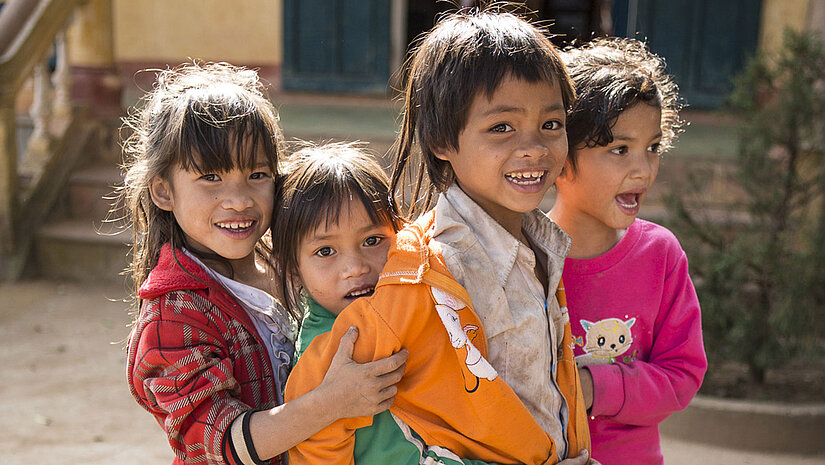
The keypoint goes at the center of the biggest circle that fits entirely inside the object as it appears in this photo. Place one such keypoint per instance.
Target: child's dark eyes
(211, 177)
(325, 252)
(372, 241)
(552, 125)
(504, 127)
(655, 148)
(259, 175)
(620, 150)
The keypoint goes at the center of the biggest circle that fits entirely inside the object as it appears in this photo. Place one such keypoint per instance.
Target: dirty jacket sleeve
(388, 439)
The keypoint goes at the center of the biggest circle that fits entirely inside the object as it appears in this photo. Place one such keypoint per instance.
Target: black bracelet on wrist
(250, 447)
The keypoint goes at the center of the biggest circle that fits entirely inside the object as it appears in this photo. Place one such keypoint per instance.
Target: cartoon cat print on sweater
(605, 340)
(447, 307)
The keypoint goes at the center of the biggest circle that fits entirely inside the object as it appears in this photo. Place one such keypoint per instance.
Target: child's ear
(442, 153)
(566, 170)
(161, 193)
(293, 281)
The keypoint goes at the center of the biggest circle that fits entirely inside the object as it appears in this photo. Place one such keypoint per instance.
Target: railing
(32, 37)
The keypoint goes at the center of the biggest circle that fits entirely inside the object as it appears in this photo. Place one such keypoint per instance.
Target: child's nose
(643, 166)
(237, 199)
(356, 266)
(533, 146)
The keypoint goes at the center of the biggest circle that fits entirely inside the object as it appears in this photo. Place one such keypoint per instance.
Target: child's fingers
(388, 364)
(388, 392)
(346, 345)
(391, 378)
(582, 459)
(386, 397)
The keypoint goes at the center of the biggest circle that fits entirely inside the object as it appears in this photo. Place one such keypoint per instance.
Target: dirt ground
(64, 398)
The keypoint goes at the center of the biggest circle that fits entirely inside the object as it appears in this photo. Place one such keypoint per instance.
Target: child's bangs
(511, 48)
(525, 68)
(600, 110)
(221, 136)
(325, 203)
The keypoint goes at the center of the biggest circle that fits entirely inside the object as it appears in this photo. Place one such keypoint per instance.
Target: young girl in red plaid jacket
(211, 346)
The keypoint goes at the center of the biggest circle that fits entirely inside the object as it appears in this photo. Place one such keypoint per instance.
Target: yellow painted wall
(90, 34)
(779, 14)
(237, 31)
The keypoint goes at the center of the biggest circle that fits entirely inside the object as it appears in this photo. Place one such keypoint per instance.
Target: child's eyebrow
(512, 109)
(324, 237)
(624, 137)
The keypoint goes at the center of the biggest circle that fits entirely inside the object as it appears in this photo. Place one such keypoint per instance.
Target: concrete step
(91, 192)
(82, 250)
(750, 425)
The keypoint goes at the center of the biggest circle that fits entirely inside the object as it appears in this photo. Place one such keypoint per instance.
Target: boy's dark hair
(204, 117)
(467, 53)
(314, 187)
(611, 75)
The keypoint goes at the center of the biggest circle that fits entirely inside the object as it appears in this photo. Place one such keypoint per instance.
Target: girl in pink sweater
(635, 315)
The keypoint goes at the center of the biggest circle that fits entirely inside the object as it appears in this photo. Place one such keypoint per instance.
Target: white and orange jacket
(450, 395)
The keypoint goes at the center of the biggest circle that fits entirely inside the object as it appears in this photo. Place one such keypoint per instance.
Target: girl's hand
(357, 390)
(587, 387)
(582, 459)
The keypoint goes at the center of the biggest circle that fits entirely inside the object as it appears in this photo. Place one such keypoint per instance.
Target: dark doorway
(571, 21)
(704, 42)
(566, 20)
(336, 45)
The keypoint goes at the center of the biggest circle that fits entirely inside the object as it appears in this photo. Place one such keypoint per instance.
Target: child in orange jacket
(472, 289)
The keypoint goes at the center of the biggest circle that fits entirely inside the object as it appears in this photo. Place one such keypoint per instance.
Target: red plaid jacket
(195, 360)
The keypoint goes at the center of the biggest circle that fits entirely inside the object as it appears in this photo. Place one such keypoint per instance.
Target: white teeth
(361, 292)
(629, 205)
(526, 178)
(235, 225)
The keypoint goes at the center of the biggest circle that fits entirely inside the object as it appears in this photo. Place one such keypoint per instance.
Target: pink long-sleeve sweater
(637, 326)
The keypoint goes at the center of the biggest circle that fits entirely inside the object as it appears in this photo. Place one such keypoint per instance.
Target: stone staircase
(83, 240)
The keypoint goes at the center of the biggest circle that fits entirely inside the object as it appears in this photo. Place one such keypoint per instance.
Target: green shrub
(761, 280)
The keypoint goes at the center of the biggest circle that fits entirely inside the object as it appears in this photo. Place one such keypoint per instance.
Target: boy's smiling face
(511, 149)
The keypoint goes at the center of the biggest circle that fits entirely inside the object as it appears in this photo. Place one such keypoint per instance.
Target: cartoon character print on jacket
(447, 307)
(605, 340)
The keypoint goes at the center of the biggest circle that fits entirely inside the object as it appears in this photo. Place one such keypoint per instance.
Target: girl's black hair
(315, 185)
(467, 53)
(611, 75)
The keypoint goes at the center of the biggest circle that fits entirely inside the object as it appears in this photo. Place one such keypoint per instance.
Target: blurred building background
(69, 69)
(357, 46)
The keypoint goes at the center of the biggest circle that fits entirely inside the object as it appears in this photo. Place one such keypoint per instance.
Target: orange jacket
(449, 395)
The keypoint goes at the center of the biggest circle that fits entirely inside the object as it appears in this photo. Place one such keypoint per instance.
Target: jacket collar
(175, 272)
(413, 260)
(459, 219)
